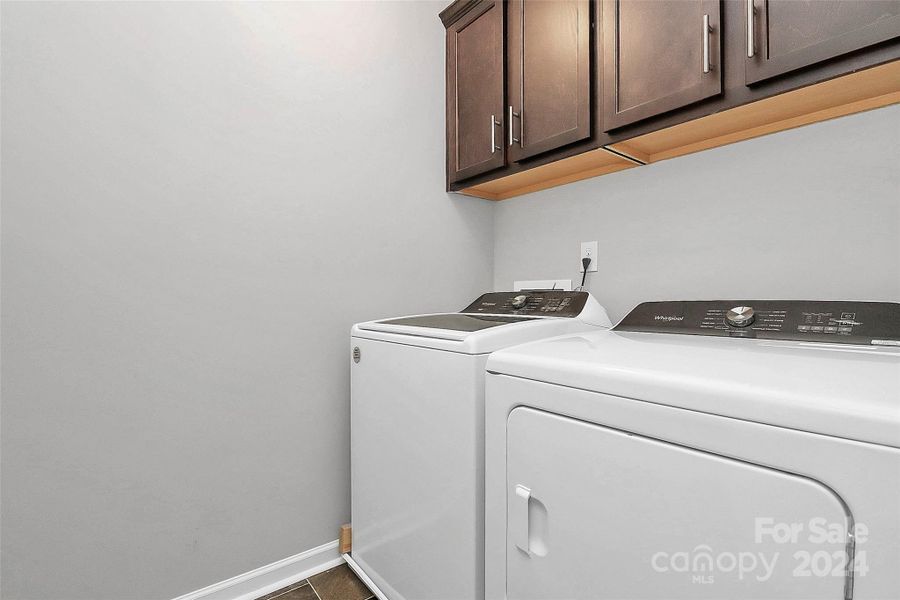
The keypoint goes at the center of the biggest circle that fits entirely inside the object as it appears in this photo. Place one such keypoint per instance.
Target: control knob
(740, 316)
(519, 301)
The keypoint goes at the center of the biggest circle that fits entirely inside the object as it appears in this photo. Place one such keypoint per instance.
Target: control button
(740, 316)
(519, 301)
(816, 328)
(802, 327)
(845, 329)
(831, 329)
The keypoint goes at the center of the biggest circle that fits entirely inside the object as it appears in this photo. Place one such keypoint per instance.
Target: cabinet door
(549, 75)
(658, 55)
(784, 35)
(475, 74)
(595, 513)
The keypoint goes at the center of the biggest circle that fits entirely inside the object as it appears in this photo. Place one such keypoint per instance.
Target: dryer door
(596, 513)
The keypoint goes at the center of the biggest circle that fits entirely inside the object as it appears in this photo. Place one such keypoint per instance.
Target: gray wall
(198, 199)
(808, 213)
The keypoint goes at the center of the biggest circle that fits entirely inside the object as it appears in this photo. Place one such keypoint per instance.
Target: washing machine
(417, 437)
(723, 449)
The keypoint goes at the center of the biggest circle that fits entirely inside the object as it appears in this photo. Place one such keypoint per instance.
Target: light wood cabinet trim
(853, 93)
(582, 166)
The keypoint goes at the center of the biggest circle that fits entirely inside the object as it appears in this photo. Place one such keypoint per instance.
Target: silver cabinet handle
(493, 140)
(706, 30)
(751, 49)
(512, 113)
(494, 124)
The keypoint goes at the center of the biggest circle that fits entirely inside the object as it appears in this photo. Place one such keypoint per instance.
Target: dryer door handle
(529, 525)
(518, 518)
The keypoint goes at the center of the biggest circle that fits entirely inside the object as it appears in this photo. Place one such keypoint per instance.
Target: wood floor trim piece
(345, 539)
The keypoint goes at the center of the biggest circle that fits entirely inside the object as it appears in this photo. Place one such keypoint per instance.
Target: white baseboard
(364, 577)
(267, 579)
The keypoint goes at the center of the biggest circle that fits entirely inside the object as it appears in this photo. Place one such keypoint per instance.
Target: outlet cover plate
(588, 250)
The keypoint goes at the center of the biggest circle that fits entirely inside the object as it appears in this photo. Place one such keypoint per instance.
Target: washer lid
(466, 333)
(449, 322)
(847, 391)
(455, 327)
(495, 320)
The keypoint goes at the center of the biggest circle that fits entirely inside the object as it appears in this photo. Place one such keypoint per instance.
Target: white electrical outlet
(588, 250)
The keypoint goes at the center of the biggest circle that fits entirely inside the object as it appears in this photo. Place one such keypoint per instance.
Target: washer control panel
(869, 323)
(534, 303)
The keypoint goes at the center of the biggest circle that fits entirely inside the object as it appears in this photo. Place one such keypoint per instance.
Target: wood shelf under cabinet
(853, 93)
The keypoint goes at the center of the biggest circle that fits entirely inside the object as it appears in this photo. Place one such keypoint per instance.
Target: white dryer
(417, 437)
(726, 449)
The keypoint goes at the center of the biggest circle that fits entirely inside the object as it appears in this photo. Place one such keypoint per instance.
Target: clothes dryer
(725, 449)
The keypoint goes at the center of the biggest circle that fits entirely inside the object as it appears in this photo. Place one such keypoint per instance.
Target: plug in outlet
(588, 250)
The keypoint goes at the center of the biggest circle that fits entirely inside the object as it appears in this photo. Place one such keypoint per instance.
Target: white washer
(637, 464)
(417, 436)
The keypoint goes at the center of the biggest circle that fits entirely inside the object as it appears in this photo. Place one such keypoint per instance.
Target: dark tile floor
(339, 583)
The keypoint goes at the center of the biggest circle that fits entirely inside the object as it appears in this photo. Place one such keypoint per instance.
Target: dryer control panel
(869, 323)
(536, 303)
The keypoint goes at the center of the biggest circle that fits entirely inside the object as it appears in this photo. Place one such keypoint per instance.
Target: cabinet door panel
(549, 75)
(475, 74)
(790, 34)
(658, 56)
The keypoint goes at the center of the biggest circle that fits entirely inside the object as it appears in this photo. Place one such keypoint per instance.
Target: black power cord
(585, 262)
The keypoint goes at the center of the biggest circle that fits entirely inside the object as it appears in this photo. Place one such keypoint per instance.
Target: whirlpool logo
(668, 318)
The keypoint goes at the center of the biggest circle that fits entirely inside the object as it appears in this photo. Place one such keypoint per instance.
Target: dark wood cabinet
(475, 80)
(658, 55)
(786, 35)
(544, 92)
(549, 75)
